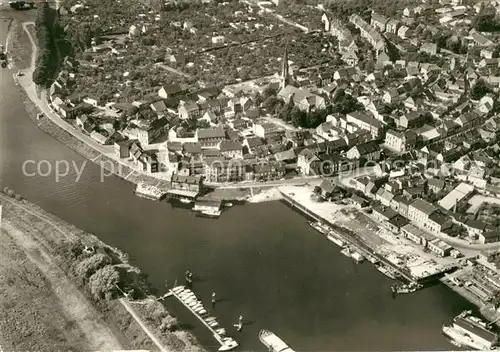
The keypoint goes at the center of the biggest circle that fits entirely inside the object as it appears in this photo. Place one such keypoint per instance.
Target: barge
(149, 192)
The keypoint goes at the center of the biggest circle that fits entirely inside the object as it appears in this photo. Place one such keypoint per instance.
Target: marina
(188, 298)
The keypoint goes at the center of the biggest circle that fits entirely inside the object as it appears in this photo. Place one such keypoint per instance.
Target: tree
(270, 103)
(103, 283)
(268, 92)
(87, 267)
(479, 90)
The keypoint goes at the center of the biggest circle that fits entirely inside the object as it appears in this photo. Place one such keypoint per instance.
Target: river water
(262, 260)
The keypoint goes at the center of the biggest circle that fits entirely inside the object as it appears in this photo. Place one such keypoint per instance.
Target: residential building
(272, 170)
(398, 141)
(181, 186)
(222, 170)
(231, 149)
(439, 247)
(210, 137)
(369, 151)
(419, 212)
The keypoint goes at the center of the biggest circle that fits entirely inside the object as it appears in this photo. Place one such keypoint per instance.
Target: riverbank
(105, 324)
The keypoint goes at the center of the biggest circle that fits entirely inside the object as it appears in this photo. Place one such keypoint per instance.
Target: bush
(103, 283)
(19, 197)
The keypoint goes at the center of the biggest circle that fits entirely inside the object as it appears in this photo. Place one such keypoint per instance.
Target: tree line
(47, 61)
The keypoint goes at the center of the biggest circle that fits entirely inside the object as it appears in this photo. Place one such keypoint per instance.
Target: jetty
(188, 299)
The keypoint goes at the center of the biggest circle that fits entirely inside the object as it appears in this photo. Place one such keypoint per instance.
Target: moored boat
(209, 213)
(318, 226)
(357, 256)
(186, 200)
(346, 251)
(335, 240)
(386, 271)
(273, 342)
(228, 344)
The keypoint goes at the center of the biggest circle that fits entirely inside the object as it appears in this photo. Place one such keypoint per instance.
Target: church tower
(285, 70)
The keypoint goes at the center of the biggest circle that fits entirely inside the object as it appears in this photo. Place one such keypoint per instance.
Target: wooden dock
(227, 343)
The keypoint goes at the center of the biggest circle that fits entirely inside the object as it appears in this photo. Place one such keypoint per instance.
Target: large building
(221, 170)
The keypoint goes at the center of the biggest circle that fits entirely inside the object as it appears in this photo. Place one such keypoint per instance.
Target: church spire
(285, 70)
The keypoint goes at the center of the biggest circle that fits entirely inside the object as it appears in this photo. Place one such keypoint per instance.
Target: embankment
(62, 258)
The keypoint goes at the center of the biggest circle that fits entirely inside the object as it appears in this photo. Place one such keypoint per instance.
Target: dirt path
(73, 303)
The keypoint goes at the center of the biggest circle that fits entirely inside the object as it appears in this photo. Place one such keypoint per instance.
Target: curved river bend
(262, 260)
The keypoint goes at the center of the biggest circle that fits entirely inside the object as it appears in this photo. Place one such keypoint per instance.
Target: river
(262, 260)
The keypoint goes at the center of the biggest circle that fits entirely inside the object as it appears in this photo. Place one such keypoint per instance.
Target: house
(429, 48)
(231, 149)
(475, 228)
(437, 222)
(189, 110)
(358, 201)
(392, 26)
(439, 247)
(272, 170)
(149, 162)
(378, 21)
(85, 123)
(93, 100)
(383, 214)
(122, 148)
(350, 58)
(305, 160)
(221, 170)
(185, 186)
(419, 212)
(404, 32)
(210, 137)
(435, 185)
(369, 151)
(399, 142)
(365, 121)
(266, 129)
(147, 132)
(170, 91)
(490, 236)
(384, 196)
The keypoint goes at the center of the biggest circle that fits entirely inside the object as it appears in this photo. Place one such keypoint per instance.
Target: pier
(364, 249)
(227, 343)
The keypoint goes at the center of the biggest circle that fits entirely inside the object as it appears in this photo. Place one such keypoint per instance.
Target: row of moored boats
(189, 299)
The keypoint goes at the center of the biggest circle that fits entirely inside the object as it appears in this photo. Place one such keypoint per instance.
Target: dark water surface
(262, 260)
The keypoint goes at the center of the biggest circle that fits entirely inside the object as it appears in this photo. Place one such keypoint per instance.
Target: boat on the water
(407, 288)
(386, 271)
(318, 226)
(209, 213)
(471, 332)
(357, 256)
(335, 240)
(273, 342)
(186, 200)
(228, 344)
(346, 251)
(372, 259)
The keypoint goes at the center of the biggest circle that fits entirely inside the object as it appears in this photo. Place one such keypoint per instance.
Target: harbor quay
(379, 245)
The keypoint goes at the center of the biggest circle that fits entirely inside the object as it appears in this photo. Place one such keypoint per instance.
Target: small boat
(202, 311)
(186, 201)
(213, 324)
(386, 271)
(221, 331)
(228, 344)
(372, 259)
(346, 251)
(318, 226)
(229, 204)
(209, 213)
(193, 303)
(357, 256)
(178, 289)
(209, 319)
(272, 342)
